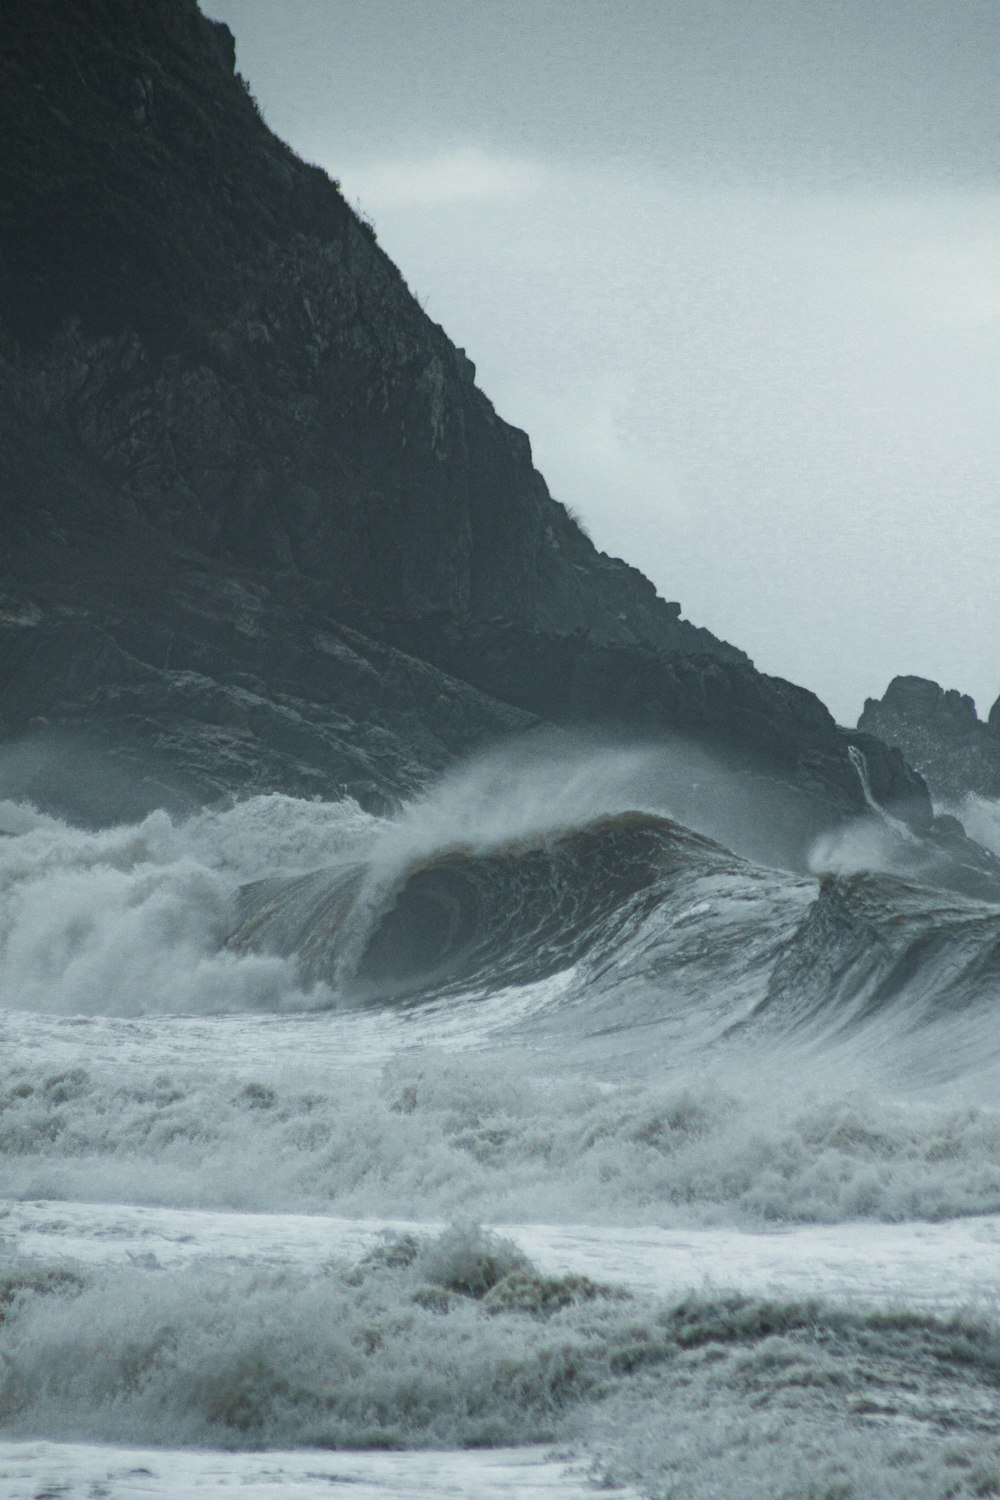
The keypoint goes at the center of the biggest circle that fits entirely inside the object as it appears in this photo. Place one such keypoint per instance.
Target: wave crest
(471, 919)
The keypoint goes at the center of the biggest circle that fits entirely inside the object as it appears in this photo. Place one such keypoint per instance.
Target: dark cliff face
(940, 733)
(260, 528)
(204, 319)
(223, 685)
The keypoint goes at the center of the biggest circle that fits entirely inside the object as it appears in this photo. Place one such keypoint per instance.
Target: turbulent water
(523, 1143)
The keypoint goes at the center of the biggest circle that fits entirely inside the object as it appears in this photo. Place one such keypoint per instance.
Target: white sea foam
(981, 819)
(866, 843)
(484, 1133)
(455, 1339)
(131, 921)
(145, 1064)
(82, 1471)
(940, 1268)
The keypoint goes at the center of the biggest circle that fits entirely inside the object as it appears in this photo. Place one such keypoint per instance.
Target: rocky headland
(260, 528)
(940, 734)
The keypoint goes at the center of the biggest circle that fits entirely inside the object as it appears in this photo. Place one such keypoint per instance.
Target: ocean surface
(531, 1142)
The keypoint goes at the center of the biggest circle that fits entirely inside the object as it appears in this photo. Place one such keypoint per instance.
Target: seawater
(527, 1142)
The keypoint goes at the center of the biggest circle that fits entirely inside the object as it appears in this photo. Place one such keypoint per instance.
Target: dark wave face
(471, 920)
(673, 943)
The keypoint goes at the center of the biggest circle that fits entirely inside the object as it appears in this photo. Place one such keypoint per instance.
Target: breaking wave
(595, 922)
(463, 918)
(532, 997)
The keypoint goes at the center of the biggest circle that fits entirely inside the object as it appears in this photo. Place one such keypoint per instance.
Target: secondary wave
(874, 949)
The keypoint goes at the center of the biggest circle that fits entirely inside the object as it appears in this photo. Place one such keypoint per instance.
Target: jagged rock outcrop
(940, 733)
(260, 528)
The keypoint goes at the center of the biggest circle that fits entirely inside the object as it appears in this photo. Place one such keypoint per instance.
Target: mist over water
(532, 998)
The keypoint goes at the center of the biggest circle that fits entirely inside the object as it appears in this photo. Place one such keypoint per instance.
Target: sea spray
(695, 1068)
(412, 1346)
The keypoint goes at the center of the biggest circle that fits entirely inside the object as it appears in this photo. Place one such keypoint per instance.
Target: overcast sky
(735, 267)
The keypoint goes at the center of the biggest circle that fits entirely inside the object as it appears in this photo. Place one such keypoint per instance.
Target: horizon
(744, 303)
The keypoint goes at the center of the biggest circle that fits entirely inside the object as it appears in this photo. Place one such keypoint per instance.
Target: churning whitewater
(528, 1140)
